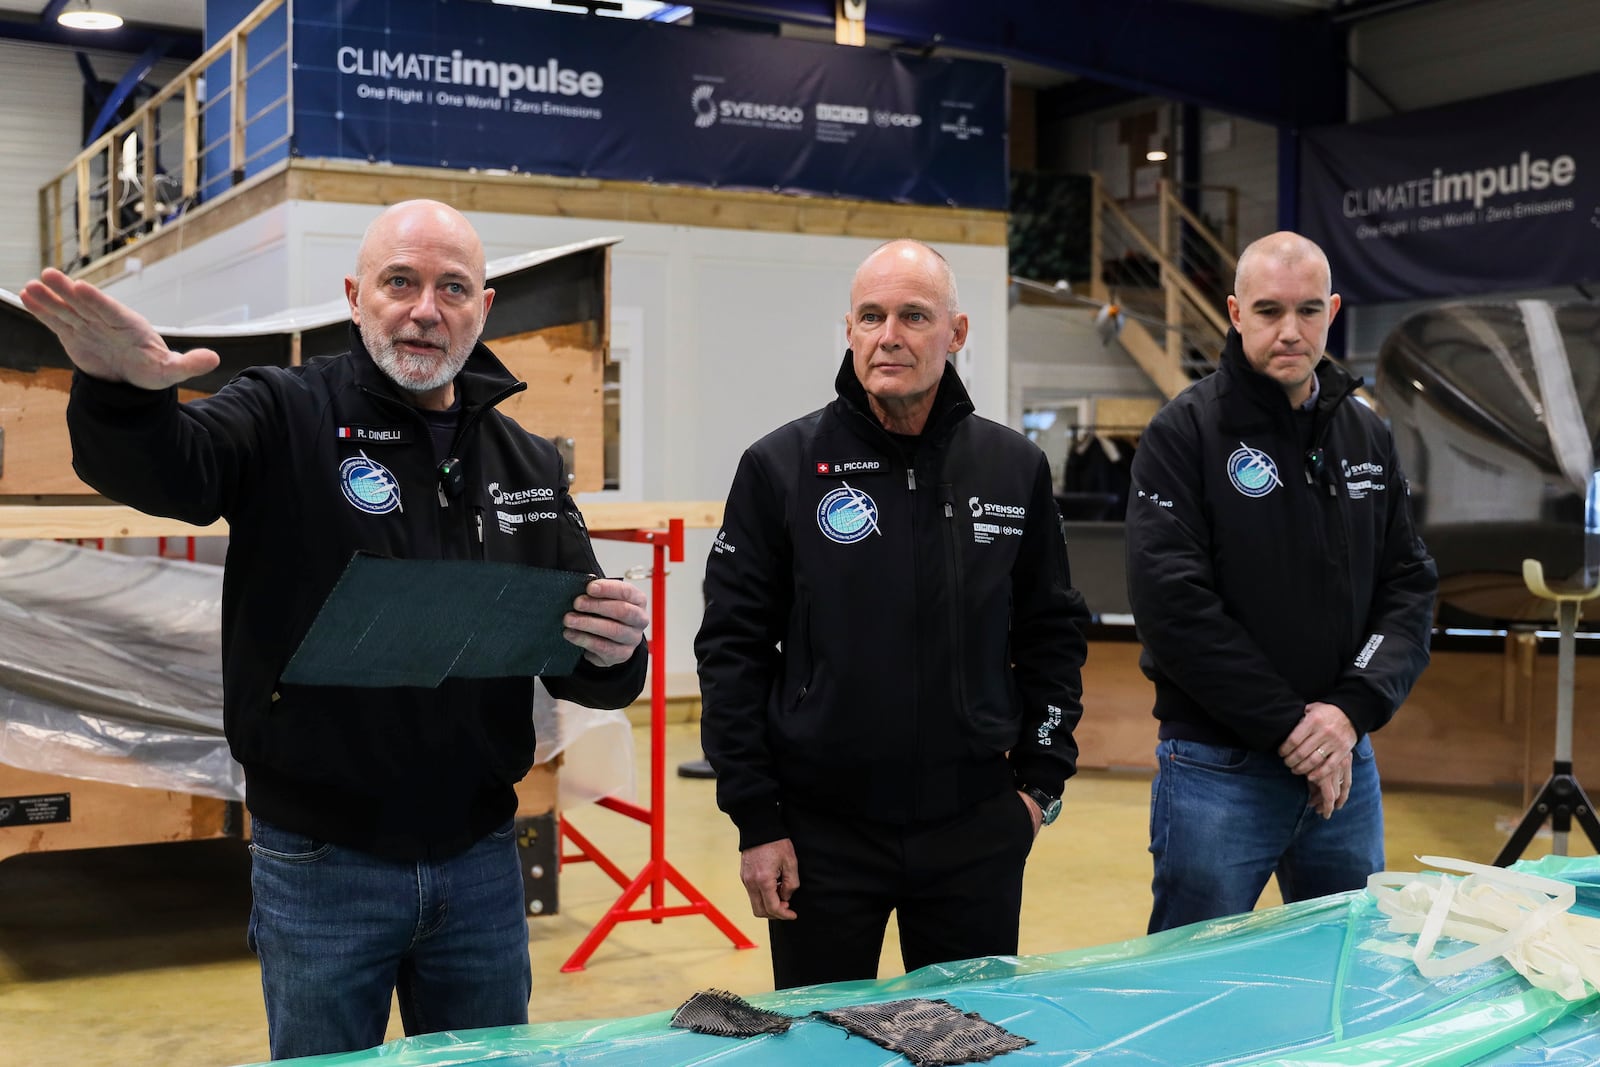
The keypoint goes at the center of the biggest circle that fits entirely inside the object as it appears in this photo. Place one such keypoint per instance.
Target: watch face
(1051, 810)
(1049, 806)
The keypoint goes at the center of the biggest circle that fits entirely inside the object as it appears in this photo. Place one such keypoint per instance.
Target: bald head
(1282, 305)
(418, 297)
(1284, 248)
(906, 255)
(413, 222)
(903, 326)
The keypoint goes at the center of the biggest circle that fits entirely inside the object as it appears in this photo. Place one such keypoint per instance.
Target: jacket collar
(1248, 397)
(950, 404)
(483, 379)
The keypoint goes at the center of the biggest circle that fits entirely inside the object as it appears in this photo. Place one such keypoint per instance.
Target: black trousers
(955, 885)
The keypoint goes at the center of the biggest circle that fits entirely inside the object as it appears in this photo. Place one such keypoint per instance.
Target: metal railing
(148, 169)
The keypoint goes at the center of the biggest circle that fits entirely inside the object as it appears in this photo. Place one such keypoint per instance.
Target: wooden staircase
(1172, 286)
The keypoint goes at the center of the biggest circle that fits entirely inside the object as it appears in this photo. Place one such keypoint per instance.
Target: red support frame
(161, 548)
(657, 871)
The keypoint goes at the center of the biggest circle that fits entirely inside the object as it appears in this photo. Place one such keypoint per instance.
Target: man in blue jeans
(383, 858)
(1284, 600)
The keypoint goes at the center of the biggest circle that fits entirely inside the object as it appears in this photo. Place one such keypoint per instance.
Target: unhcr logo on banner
(843, 113)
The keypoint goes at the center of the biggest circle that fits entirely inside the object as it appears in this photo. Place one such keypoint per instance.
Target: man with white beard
(383, 856)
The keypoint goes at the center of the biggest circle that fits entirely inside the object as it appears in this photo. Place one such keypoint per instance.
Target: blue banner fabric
(464, 84)
(1488, 195)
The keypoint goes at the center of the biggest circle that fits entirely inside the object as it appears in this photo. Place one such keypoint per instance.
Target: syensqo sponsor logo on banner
(462, 85)
(713, 105)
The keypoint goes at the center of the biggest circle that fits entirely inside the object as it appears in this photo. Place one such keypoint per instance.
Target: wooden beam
(850, 22)
(651, 515)
(71, 522)
(84, 521)
(355, 182)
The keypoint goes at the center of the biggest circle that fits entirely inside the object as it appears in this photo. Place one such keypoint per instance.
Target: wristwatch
(1049, 806)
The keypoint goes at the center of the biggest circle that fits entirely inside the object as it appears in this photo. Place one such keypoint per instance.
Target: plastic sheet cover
(111, 670)
(1322, 983)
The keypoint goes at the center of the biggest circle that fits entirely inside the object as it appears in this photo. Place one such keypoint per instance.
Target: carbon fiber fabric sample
(716, 1011)
(397, 622)
(929, 1033)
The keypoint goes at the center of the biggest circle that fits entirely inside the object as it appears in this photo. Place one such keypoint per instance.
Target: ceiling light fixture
(1155, 155)
(86, 18)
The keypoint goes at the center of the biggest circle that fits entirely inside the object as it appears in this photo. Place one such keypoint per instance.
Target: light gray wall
(1439, 53)
(1248, 163)
(41, 107)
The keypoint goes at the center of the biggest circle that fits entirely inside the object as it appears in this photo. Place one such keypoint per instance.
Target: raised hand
(106, 339)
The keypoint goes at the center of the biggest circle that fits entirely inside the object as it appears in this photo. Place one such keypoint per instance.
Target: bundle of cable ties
(1522, 917)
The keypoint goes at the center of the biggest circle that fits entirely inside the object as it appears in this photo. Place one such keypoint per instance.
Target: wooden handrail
(1199, 226)
(108, 147)
(1170, 270)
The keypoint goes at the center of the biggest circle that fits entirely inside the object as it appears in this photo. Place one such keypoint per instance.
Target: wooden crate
(549, 325)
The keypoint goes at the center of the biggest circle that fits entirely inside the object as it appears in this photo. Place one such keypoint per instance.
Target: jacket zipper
(468, 419)
(1335, 542)
(958, 593)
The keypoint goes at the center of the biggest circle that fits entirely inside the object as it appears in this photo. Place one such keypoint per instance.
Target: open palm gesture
(106, 339)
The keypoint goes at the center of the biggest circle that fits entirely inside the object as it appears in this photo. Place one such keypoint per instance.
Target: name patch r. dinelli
(383, 435)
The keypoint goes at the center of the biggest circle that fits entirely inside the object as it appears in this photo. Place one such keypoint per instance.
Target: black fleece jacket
(310, 465)
(879, 634)
(1272, 560)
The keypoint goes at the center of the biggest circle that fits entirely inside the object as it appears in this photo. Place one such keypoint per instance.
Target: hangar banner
(1488, 195)
(463, 84)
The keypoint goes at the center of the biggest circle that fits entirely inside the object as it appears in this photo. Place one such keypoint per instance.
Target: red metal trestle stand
(657, 872)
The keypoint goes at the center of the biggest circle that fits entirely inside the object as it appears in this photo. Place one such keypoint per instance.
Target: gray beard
(414, 374)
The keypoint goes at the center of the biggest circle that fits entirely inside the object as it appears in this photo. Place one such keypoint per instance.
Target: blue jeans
(338, 931)
(1223, 820)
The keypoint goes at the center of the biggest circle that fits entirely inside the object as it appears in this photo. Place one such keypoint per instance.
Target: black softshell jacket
(877, 638)
(310, 465)
(1272, 560)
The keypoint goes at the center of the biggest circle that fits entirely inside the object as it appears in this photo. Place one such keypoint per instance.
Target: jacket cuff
(758, 824)
(1365, 710)
(628, 676)
(1046, 774)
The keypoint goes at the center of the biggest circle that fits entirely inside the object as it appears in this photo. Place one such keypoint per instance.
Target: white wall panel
(239, 275)
(1248, 164)
(41, 122)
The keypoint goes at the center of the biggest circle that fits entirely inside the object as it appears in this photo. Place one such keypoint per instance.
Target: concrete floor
(137, 955)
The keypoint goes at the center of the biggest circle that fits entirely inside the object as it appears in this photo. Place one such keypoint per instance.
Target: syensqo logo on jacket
(846, 515)
(1252, 471)
(368, 485)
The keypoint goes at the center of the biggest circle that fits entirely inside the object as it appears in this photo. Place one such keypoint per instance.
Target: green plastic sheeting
(1315, 984)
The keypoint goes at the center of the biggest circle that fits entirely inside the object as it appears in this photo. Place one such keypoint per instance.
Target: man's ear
(959, 332)
(352, 290)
